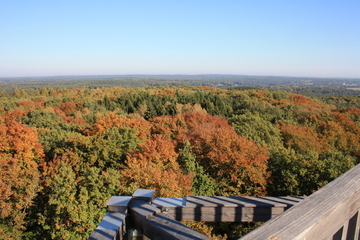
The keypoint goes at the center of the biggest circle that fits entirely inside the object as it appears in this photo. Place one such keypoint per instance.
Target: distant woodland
(303, 85)
(64, 151)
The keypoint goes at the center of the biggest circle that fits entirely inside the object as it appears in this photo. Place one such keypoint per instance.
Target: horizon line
(176, 74)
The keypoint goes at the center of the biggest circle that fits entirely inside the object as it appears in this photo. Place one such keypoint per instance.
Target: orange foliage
(168, 126)
(155, 167)
(36, 103)
(353, 111)
(58, 111)
(50, 169)
(342, 133)
(301, 100)
(347, 123)
(68, 107)
(223, 154)
(20, 153)
(112, 120)
(227, 154)
(302, 138)
(16, 114)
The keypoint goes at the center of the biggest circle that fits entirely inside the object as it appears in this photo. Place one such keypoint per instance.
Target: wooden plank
(103, 234)
(118, 204)
(156, 225)
(224, 214)
(169, 202)
(241, 201)
(322, 215)
(146, 210)
(111, 227)
(146, 195)
(225, 209)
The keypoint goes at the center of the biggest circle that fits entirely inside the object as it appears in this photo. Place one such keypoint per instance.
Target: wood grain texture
(111, 227)
(118, 204)
(144, 194)
(319, 216)
(156, 225)
(218, 208)
(225, 209)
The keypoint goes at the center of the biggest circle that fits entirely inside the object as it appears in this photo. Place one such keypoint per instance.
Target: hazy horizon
(259, 38)
(174, 75)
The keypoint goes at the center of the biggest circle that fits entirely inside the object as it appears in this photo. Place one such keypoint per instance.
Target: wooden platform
(215, 209)
(330, 213)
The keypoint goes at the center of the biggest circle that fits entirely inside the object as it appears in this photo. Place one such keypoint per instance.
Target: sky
(273, 37)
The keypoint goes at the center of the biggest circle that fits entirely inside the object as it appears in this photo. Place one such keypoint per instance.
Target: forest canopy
(65, 152)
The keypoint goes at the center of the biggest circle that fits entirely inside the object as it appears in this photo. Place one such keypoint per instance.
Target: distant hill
(305, 85)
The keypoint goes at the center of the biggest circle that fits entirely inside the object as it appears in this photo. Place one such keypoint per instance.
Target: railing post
(113, 225)
(154, 224)
(146, 195)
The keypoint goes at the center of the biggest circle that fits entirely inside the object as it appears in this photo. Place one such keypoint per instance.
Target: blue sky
(280, 38)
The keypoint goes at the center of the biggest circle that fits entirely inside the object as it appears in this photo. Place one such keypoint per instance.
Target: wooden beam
(110, 228)
(149, 220)
(218, 209)
(118, 204)
(330, 213)
(234, 209)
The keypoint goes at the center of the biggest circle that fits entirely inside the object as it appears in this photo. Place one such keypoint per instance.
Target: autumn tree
(301, 138)
(20, 153)
(156, 167)
(237, 164)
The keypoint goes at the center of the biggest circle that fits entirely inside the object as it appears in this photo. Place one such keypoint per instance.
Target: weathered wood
(149, 220)
(144, 194)
(118, 204)
(225, 209)
(110, 228)
(329, 213)
(219, 209)
(222, 214)
(104, 234)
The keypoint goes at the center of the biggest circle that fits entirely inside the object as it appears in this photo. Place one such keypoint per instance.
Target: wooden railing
(329, 213)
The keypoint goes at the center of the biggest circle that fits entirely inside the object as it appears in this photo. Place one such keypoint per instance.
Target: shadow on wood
(330, 213)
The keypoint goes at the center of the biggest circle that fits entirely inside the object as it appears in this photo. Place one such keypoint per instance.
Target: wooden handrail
(330, 213)
(194, 208)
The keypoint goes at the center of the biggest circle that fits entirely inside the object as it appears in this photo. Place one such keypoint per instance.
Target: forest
(308, 86)
(64, 152)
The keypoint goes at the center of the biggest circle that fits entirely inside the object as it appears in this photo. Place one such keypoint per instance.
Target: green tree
(259, 130)
(202, 184)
